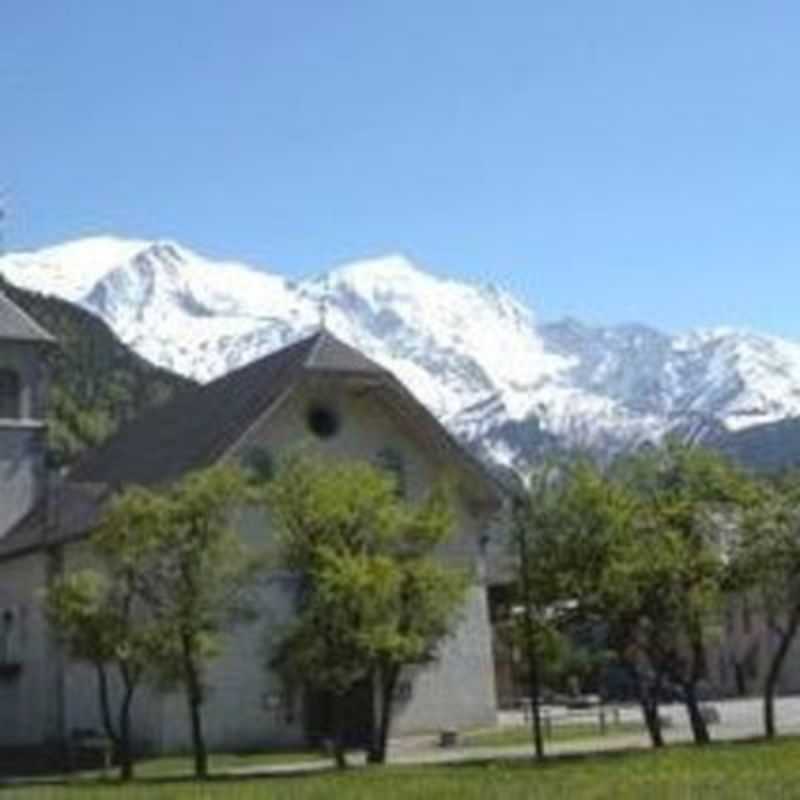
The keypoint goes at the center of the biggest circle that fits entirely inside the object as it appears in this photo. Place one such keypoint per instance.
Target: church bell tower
(24, 379)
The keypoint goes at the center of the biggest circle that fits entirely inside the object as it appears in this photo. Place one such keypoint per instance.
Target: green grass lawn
(567, 732)
(719, 772)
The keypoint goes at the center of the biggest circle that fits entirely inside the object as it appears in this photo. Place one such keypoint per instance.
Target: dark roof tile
(194, 428)
(72, 509)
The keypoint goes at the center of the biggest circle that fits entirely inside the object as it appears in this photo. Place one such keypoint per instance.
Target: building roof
(70, 511)
(330, 353)
(16, 325)
(195, 428)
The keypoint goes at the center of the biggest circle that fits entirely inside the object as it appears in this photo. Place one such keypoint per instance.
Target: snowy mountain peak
(390, 267)
(473, 353)
(99, 250)
(166, 253)
(71, 269)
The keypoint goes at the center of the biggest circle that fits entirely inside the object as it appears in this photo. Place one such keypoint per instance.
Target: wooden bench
(89, 743)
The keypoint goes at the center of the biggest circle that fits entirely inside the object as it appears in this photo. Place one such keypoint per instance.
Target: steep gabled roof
(16, 325)
(195, 428)
(200, 425)
(331, 354)
(70, 511)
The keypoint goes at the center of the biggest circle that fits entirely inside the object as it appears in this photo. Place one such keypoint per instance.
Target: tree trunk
(648, 700)
(339, 744)
(124, 748)
(689, 685)
(534, 691)
(377, 754)
(105, 704)
(194, 697)
(769, 702)
(771, 681)
(530, 641)
(696, 720)
(653, 722)
(741, 683)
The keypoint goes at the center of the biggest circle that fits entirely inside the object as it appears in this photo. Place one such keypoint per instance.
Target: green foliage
(571, 530)
(93, 615)
(375, 597)
(188, 566)
(562, 540)
(178, 577)
(99, 619)
(76, 608)
(98, 382)
(366, 559)
(580, 524)
(765, 566)
(639, 551)
(765, 555)
(691, 502)
(318, 505)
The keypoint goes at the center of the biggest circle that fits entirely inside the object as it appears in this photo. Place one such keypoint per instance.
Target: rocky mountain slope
(474, 354)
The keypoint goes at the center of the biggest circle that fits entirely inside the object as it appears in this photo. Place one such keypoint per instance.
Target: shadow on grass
(58, 778)
(165, 780)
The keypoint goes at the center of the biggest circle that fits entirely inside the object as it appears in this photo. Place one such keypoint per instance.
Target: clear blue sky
(613, 160)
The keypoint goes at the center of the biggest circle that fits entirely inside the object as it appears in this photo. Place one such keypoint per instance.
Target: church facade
(317, 394)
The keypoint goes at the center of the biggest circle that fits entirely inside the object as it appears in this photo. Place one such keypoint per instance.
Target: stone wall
(28, 715)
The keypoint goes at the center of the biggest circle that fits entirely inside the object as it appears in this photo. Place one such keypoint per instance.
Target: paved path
(739, 719)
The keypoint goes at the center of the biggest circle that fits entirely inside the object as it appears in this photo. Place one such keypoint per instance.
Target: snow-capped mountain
(475, 355)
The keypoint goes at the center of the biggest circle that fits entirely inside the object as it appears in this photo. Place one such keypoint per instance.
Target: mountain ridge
(477, 356)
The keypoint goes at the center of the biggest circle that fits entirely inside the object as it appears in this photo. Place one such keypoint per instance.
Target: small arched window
(392, 462)
(9, 394)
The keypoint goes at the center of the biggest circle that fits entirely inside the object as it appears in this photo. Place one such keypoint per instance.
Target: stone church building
(317, 393)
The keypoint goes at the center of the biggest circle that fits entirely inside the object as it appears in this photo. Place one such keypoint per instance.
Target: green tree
(765, 564)
(582, 560)
(375, 595)
(636, 553)
(535, 521)
(97, 617)
(190, 569)
(690, 502)
(607, 567)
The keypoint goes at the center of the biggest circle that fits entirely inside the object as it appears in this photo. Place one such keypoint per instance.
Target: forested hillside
(98, 382)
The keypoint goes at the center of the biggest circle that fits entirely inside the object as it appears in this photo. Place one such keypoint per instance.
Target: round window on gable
(323, 421)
